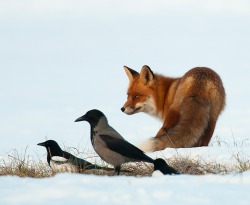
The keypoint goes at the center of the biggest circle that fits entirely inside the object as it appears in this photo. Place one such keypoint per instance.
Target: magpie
(113, 148)
(61, 161)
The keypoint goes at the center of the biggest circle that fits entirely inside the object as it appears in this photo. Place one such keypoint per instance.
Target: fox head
(141, 92)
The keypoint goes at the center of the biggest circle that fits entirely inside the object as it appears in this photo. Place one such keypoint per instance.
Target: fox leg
(170, 121)
(189, 129)
(186, 130)
(205, 139)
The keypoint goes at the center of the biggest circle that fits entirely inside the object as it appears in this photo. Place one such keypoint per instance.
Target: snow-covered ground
(90, 189)
(182, 189)
(230, 157)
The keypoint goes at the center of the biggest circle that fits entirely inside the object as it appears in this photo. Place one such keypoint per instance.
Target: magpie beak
(41, 144)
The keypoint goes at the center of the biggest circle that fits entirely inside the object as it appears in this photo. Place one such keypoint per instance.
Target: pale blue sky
(59, 59)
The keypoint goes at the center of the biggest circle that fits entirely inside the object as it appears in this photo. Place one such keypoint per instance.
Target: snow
(90, 189)
(229, 156)
(70, 188)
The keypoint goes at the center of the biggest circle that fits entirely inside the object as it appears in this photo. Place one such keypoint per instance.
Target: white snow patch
(90, 189)
(69, 188)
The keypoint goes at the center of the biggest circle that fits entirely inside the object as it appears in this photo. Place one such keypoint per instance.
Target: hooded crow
(113, 148)
(61, 161)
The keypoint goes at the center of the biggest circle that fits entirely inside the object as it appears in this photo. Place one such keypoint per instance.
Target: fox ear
(147, 75)
(130, 73)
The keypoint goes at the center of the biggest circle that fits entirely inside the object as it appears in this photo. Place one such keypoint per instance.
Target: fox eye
(136, 97)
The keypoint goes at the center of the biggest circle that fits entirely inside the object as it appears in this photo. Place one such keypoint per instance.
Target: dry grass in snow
(23, 165)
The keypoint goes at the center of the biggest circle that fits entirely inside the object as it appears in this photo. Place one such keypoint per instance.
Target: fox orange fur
(189, 106)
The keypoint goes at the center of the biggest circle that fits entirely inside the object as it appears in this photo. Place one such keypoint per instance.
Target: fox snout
(130, 110)
(129, 106)
(143, 104)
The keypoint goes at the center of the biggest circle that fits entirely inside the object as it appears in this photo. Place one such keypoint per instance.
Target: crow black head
(92, 116)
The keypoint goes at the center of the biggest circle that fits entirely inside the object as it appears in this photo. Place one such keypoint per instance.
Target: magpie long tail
(88, 165)
(93, 166)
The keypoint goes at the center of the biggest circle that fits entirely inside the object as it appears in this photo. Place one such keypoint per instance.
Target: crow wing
(124, 148)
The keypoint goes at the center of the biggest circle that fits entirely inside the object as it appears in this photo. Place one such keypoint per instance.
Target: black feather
(125, 149)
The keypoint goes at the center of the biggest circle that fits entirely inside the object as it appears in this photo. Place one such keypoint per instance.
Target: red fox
(189, 106)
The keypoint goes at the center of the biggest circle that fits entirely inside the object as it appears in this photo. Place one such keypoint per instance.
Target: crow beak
(41, 144)
(83, 118)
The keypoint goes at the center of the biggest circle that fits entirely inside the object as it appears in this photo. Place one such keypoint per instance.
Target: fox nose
(122, 109)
